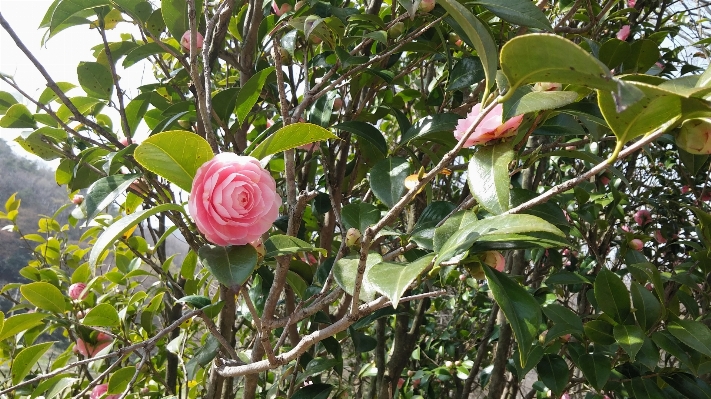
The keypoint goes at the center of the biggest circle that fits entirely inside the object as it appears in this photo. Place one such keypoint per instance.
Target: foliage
(351, 108)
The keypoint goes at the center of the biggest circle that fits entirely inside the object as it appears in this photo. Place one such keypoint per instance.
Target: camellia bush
(379, 199)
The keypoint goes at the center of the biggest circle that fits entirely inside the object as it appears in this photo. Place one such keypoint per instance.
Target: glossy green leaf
(488, 176)
(119, 379)
(393, 279)
(121, 226)
(18, 117)
(541, 100)
(19, 323)
(431, 127)
(642, 56)
(249, 93)
(67, 8)
(688, 385)
(315, 367)
(142, 52)
(224, 102)
(387, 180)
(360, 216)
(7, 100)
(232, 265)
(38, 142)
(466, 74)
(667, 342)
(613, 52)
(291, 136)
(518, 12)
(600, 332)
(197, 301)
(44, 295)
(367, 132)
(596, 367)
(693, 333)
(48, 94)
(424, 231)
(175, 155)
(647, 308)
(175, 16)
(26, 360)
(612, 295)
(102, 315)
(644, 388)
(630, 338)
(57, 387)
(564, 321)
(137, 9)
(202, 356)
(104, 191)
(313, 391)
(284, 245)
(95, 79)
(551, 58)
(478, 35)
(553, 371)
(520, 308)
(85, 105)
(345, 270)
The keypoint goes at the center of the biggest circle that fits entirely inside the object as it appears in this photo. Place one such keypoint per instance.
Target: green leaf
(313, 391)
(38, 142)
(520, 308)
(670, 344)
(315, 367)
(175, 15)
(643, 388)
(118, 228)
(291, 136)
(345, 270)
(541, 100)
(95, 79)
(647, 308)
(104, 191)
(360, 216)
(488, 176)
(48, 94)
(612, 295)
(249, 93)
(44, 296)
(138, 9)
(693, 333)
(688, 385)
(478, 35)
(85, 105)
(7, 100)
(431, 127)
(26, 360)
(175, 155)
(553, 371)
(600, 332)
(19, 323)
(67, 8)
(692, 162)
(642, 56)
(466, 73)
(102, 315)
(551, 58)
(613, 52)
(202, 356)
(197, 301)
(518, 12)
(392, 279)
(596, 367)
(142, 52)
(387, 180)
(565, 321)
(232, 265)
(224, 103)
(630, 338)
(284, 245)
(119, 379)
(365, 131)
(18, 117)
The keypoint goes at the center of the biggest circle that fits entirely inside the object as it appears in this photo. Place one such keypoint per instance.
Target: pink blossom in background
(90, 350)
(77, 199)
(233, 199)
(685, 189)
(624, 33)
(631, 3)
(185, 41)
(625, 228)
(490, 128)
(279, 11)
(259, 246)
(643, 217)
(100, 390)
(636, 244)
(604, 180)
(495, 260)
(706, 196)
(659, 237)
(76, 289)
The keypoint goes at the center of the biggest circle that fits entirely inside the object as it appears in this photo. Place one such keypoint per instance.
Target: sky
(60, 56)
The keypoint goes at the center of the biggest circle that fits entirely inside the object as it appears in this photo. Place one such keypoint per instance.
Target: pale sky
(60, 55)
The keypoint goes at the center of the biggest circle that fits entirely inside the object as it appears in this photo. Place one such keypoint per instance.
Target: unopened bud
(547, 86)
(695, 136)
(426, 6)
(78, 199)
(353, 237)
(396, 30)
(75, 291)
(259, 246)
(495, 260)
(185, 41)
(636, 244)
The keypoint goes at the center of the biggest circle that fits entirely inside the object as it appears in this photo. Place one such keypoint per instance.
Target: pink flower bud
(76, 289)
(448, 364)
(279, 11)
(185, 40)
(77, 199)
(259, 246)
(695, 136)
(685, 189)
(604, 180)
(492, 127)
(89, 350)
(124, 141)
(624, 33)
(547, 86)
(706, 196)
(100, 390)
(495, 260)
(337, 104)
(659, 237)
(353, 237)
(426, 6)
(649, 287)
(400, 383)
(631, 3)
(636, 244)
(565, 395)
(462, 277)
(643, 217)
(565, 337)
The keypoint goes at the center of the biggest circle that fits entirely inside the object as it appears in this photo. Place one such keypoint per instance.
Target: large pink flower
(233, 199)
(99, 390)
(490, 128)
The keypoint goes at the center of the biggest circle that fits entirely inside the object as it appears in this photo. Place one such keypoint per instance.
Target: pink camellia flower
(631, 3)
(90, 350)
(490, 128)
(624, 33)
(100, 390)
(643, 217)
(685, 189)
(695, 136)
(547, 86)
(625, 228)
(659, 237)
(78, 199)
(279, 11)
(233, 199)
(636, 244)
(76, 289)
(426, 6)
(185, 41)
(495, 260)
(124, 140)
